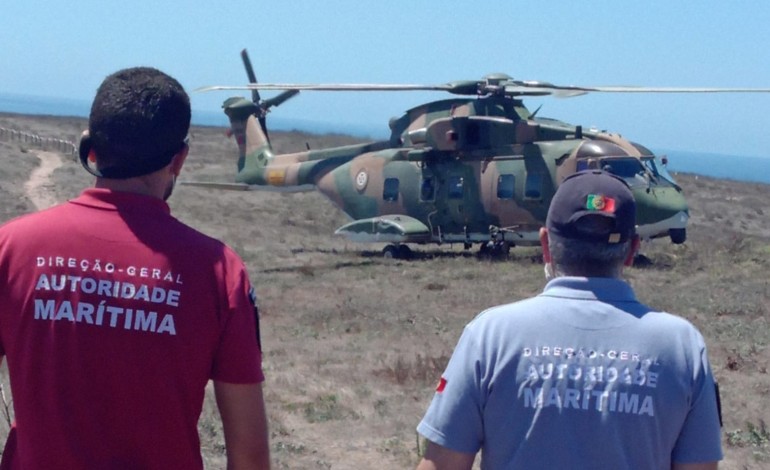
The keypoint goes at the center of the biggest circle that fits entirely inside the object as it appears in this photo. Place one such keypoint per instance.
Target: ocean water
(27, 104)
(735, 167)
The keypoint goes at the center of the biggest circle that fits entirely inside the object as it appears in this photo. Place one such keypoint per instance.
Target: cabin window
(455, 187)
(582, 164)
(505, 186)
(533, 186)
(427, 190)
(390, 190)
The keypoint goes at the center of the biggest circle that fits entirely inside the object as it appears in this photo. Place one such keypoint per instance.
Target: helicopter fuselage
(460, 170)
(500, 197)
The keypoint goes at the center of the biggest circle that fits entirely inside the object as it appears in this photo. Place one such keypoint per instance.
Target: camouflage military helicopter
(480, 169)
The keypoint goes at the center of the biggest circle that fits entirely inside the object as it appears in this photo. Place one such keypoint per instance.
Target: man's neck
(138, 185)
(611, 273)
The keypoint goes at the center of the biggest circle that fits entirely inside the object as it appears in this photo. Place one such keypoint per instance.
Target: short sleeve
(700, 437)
(238, 358)
(455, 416)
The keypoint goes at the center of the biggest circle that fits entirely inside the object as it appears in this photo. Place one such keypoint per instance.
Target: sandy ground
(38, 186)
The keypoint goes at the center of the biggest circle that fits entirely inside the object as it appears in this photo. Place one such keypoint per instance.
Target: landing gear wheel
(642, 261)
(495, 249)
(397, 252)
(678, 235)
(390, 252)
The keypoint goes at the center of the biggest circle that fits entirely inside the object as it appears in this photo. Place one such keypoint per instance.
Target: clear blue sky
(65, 48)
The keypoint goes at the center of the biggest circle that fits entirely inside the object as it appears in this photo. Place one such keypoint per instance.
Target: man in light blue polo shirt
(582, 376)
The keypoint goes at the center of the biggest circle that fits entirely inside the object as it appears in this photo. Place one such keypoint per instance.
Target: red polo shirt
(113, 317)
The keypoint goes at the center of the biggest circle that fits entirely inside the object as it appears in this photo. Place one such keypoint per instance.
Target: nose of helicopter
(660, 210)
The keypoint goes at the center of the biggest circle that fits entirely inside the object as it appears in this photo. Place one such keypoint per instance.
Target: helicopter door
(455, 186)
(505, 189)
(457, 202)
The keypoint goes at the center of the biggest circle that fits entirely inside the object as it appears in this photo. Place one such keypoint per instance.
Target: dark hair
(580, 257)
(139, 120)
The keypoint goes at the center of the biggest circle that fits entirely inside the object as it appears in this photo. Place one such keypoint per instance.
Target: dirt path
(39, 187)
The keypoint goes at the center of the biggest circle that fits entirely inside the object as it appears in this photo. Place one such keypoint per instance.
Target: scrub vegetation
(354, 344)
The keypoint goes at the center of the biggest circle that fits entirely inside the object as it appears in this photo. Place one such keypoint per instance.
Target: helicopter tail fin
(254, 151)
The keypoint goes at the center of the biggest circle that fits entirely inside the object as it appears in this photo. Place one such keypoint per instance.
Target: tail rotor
(263, 106)
(252, 76)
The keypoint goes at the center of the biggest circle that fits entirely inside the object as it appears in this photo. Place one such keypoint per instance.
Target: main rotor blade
(641, 89)
(511, 88)
(451, 88)
(327, 87)
(540, 90)
(560, 91)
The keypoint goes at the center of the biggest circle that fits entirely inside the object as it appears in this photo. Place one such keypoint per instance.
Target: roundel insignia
(361, 179)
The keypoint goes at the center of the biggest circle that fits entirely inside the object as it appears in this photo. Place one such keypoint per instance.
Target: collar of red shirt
(120, 201)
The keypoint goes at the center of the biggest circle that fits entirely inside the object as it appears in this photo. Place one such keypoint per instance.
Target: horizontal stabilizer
(387, 229)
(212, 185)
(250, 187)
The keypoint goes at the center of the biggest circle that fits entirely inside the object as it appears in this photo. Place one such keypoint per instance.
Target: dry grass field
(354, 343)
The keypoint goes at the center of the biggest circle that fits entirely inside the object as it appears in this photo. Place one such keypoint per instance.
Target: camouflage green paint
(442, 169)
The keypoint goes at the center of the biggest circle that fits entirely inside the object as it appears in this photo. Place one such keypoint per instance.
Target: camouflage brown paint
(444, 164)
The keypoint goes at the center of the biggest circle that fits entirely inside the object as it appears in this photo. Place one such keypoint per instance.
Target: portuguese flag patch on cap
(598, 202)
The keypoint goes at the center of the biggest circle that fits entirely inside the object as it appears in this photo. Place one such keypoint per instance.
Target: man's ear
(544, 245)
(632, 251)
(178, 161)
(86, 150)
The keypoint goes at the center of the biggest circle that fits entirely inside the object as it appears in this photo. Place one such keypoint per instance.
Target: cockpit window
(623, 167)
(657, 168)
(628, 168)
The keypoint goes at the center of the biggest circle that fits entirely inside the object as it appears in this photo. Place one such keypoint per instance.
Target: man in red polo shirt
(114, 315)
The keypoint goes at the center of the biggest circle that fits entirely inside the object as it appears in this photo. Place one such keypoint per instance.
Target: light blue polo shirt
(581, 376)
